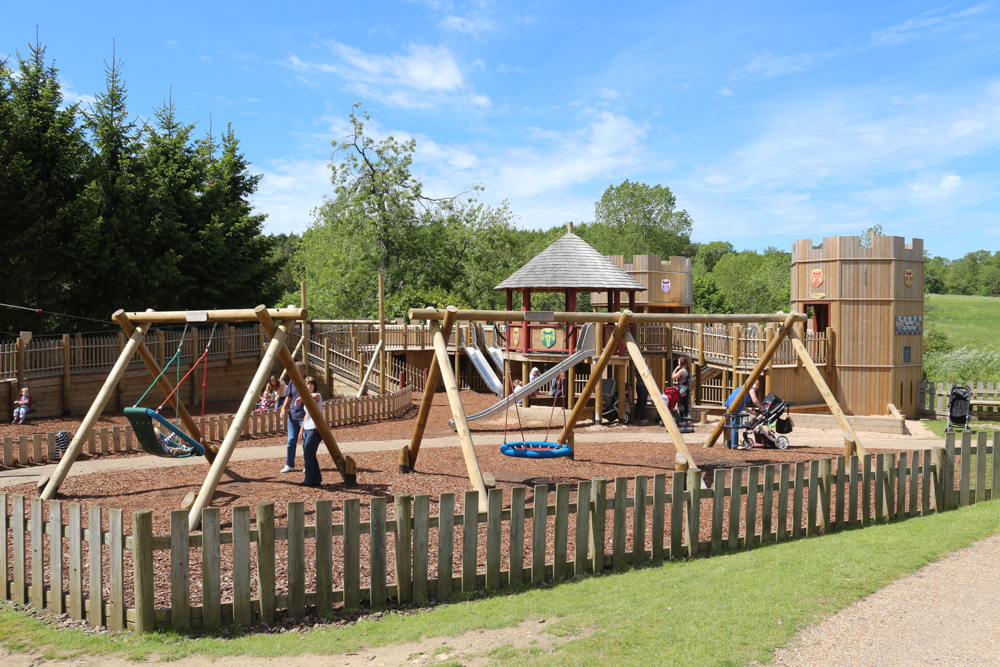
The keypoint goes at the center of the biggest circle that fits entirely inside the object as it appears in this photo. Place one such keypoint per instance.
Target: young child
(310, 439)
(24, 404)
(169, 444)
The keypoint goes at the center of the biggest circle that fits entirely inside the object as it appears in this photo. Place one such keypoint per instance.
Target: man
(296, 412)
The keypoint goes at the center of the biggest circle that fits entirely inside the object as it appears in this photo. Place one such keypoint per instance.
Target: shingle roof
(570, 262)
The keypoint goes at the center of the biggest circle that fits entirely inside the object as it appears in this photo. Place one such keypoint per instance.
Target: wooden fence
(143, 582)
(932, 399)
(41, 447)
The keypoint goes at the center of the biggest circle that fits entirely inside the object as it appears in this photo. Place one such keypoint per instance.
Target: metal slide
(496, 352)
(478, 360)
(585, 350)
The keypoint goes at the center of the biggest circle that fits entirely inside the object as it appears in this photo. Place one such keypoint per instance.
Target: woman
(310, 438)
(682, 380)
(273, 391)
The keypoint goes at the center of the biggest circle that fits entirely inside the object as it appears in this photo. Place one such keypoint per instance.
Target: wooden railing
(638, 521)
(932, 399)
(724, 343)
(345, 411)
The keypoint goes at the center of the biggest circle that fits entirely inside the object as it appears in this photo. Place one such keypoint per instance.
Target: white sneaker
(288, 469)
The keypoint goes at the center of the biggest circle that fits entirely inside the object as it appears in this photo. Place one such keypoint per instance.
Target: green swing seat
(142, 426)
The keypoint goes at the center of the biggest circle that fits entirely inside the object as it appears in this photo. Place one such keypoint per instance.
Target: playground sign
(908, 277)
(515, 337)
(548, 336)
(665, 285)
(817, 277)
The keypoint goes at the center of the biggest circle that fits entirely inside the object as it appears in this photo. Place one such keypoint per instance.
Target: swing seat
(142, 426)
(535, 449)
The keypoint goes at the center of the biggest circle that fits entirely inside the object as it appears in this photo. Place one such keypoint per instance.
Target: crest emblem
(817, 277)
(548, 336)
(908, 277)
(665, 285)
(515, 338)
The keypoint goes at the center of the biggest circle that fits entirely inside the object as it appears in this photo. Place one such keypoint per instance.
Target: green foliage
(977, 273)
(754, 283)
(963, 366)
(869, 234)
(638, 218)
(142, 216)
(42, 158)
(936, 341)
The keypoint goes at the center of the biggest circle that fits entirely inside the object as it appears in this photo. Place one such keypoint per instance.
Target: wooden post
(327, 380)
(657, 396)
(458, 412)
(18, 367)
(609, 350)
(232, 344)
(824, 390)
(194, 360)
(66, 359)
(768, 335)
(786, 327)
(304, 323)
(598, 389)
(142, 558)
(408, 455)
(830, 346)
(162, 382)
(345, 465)
(48, 486)
(621, 379)
(701, 343)
(381, 333)
(233, 434)
(363, 388)
(525, 379)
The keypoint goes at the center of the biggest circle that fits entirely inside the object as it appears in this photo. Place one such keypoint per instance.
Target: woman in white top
(311, 438)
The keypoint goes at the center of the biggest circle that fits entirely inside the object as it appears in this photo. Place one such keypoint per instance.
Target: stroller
(959, 409)
(770, 426)
(609, 401)
(672, 397)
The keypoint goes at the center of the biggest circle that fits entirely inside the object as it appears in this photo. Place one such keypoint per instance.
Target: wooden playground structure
(135, 326)
(441, 321)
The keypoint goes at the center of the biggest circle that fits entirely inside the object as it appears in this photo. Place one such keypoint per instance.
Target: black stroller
(959, 409)
(769, 427)
(609, 401)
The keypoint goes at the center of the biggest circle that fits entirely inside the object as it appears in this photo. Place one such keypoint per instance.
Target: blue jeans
(310, 445)
(294, 426)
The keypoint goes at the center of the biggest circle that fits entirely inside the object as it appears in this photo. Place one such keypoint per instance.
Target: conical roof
(570, 262)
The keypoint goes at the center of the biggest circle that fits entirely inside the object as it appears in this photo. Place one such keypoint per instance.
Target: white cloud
(173, 43)
(724, 91)
(610, 94)
(768, 65)
(289, 191)
(474, 25)
(425, 77)
(71, 96)
(926, 22)
(504, 68)
(207, 59)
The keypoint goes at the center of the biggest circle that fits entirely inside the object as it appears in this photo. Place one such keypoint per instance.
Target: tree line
(101, 211)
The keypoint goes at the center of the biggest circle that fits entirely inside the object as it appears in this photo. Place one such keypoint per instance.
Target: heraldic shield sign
(817, 277)
(908, 277)
(548, 336)
(665, 285)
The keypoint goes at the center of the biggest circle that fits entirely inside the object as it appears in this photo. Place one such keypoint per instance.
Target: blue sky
(770, 121)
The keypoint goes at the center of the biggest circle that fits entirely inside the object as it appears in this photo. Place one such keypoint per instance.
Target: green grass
(937, 426)
(972, 321)
(725, 610)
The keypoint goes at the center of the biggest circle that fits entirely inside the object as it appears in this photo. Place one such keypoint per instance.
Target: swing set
(135, 326)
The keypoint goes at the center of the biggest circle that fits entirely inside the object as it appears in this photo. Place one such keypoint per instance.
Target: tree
(42, 156)
(753, 283)
(638, 218)
(869, 234)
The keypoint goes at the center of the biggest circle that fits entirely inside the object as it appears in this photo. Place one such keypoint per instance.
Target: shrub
(962, 366)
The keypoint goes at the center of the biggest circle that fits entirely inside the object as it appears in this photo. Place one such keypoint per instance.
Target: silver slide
(478, 360)
(495, 351)
(585, 350)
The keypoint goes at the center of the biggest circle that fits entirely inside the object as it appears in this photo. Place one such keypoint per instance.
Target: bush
(936, 342)
(962, 366)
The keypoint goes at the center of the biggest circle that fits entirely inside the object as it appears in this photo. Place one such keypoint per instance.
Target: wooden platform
(876, 423)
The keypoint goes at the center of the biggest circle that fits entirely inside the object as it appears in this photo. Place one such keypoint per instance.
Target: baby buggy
(672, 397)
(959, 409)
(768, 428)
(609, 401)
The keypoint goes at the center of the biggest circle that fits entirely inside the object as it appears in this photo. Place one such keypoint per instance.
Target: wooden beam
(363, 387)
(655, 393)
(606, 318)
(237, 315)
(345, 465)
(383, 371)
(295, 352)
(824, 390)
(228, 445)
(609, 350)
(772, 347)
(49, 485)
(430, 386)
(163, 383)
(458, 412)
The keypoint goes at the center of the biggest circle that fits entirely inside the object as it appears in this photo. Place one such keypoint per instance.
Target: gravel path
(947, 613)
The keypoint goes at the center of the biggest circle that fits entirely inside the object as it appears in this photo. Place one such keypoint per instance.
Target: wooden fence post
(142, 559)
(66, 362)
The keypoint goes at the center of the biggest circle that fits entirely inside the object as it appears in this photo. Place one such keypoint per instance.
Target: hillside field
(973, 321)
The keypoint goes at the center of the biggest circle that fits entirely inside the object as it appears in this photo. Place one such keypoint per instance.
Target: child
(169, 443)
(24, 405)
(273, 391)
(310, 439)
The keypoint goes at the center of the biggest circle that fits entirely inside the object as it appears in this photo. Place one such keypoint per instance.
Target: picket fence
(932, 399)
(346, 411)
(776, 503)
